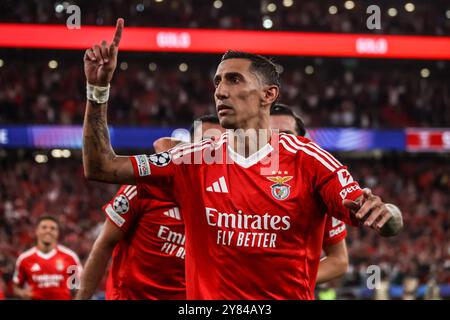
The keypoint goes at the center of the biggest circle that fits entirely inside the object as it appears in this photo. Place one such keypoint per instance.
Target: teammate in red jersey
(146, 240)
(253, 223)
(47, 271)
(335, 262)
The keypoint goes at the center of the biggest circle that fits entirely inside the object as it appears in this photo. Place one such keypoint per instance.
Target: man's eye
(235, 79)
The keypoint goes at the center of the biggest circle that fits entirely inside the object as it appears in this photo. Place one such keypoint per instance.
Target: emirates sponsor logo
(173, 242)
(246, 230)
(47, 280)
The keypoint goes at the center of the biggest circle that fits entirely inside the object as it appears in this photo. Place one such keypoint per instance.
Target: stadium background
(387, 118)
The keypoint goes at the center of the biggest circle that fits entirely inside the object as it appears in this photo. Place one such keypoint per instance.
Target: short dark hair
(207, 118)
(279, 109)
(260, 64)
(47, 217)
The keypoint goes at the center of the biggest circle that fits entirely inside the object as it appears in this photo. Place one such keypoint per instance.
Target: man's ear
(270, 95)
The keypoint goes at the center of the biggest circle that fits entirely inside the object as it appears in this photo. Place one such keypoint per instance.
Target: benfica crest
(280, 190)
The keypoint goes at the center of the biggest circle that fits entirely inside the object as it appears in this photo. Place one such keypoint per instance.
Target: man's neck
(250, 140)
(45, 248)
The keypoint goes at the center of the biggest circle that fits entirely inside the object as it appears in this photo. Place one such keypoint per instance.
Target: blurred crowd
(29, 190)
(420, 187)
(418, 17)
(157, 90)
(421, 254)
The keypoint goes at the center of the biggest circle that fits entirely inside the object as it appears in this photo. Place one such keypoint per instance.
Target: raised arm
(99, 159)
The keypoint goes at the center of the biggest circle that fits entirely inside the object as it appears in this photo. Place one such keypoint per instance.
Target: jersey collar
(47, 255)
(252, 159)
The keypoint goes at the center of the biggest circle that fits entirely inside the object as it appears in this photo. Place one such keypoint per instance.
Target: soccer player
(146, 240)
(335, 262)
(253, 223)
(48, 271)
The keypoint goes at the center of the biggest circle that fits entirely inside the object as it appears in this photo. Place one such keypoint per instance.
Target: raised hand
(100, 61)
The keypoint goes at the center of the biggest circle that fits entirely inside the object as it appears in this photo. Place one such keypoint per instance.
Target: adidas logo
(218, 186)
(335, 222)
(173, 213)
(35, 268)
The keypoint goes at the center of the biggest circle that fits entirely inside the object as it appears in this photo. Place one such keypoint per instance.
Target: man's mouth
(222, 109)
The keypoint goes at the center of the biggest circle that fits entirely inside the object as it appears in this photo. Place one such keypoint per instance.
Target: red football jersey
(254, 227)
(335, 231)
(149, 262)
(50, 275)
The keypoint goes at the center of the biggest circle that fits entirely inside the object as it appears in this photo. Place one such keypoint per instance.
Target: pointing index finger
(118, 33)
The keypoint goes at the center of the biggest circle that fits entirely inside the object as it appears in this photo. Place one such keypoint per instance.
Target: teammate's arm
(334, 264)
(19, 279)
(165, 143)
(99, 159)
(22, 293)
(98, 260)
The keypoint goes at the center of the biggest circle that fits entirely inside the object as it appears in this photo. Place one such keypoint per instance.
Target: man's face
(207, 131)
(283, 123)
(47, 232)
(238, 93)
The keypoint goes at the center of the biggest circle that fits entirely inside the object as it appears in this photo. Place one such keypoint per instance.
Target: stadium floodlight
(56, 153)
(65, 153)
(59, 8)
(349, 5)
(333, 10)
(40, 158)
(410, 7)
(152, 66)
(392, 12)
(267, 23)
(2, 63)
(53, 64)
(218, 4)
(425, 73)
(309, 70)
(288, 3)
(123, 65)
(140, 7)
(271, 7)
(183, 67)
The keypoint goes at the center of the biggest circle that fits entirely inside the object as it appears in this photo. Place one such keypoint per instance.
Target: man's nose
(221, 92)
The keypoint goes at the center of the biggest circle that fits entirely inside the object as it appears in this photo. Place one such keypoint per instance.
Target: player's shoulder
(129, 192)
(63, 250)
(308, 151)
(194, 147)
(26, 254)
(294, 144)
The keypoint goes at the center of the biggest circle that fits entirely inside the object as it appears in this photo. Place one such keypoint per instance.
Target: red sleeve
(335, 231)
(334, 183)
(155, 175)
(19, 276)
(124, 208)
